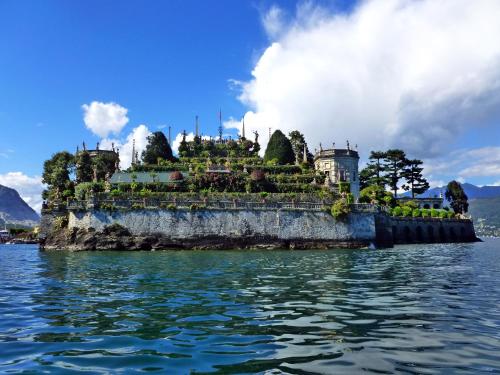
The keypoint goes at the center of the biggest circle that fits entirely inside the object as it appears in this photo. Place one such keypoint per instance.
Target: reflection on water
(411, 309)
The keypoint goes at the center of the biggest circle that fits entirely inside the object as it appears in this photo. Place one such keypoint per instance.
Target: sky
(421, 75)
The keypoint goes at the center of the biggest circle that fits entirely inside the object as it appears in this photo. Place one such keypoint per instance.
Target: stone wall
(287, 225)
(145, 229)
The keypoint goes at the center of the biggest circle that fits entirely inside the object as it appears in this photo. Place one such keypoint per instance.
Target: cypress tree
(157, 147)
(280, 149)
(457, 197)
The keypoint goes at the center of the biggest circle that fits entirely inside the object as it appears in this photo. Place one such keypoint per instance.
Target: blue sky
(318, 66)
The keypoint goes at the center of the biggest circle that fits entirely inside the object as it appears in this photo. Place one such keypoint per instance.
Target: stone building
(339, 165)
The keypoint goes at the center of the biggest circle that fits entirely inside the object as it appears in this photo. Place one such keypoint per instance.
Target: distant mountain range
(14, 210)
(472, 191)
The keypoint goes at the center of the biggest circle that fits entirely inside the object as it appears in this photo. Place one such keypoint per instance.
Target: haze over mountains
(14, 210)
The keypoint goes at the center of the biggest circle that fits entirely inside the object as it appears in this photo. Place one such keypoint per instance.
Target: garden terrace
(195, 203)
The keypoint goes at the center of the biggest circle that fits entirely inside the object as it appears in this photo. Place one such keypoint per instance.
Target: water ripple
(432, 309)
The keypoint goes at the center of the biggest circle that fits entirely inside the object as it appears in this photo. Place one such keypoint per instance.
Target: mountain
(472, 191)
(13, 210)
(486, 215)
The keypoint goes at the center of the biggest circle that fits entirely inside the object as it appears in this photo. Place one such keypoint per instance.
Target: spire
(243, 128)
(133, 152)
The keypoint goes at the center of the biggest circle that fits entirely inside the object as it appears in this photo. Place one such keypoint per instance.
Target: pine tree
(156, 148)
(373, 173)
(280, 149)
(394, 164)
(415, 181)
(457, 197)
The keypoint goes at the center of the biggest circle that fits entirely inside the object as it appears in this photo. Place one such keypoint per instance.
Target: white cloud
(411, 74)
(273, 21)
(139, 134)
(104, 119)
(29, 188)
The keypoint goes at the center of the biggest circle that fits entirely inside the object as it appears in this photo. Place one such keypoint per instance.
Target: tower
(243, 128)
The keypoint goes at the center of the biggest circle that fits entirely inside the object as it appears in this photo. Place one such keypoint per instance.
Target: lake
(428, 309)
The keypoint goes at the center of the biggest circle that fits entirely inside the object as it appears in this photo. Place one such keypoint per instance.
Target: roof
(126, 177)
(330, 153)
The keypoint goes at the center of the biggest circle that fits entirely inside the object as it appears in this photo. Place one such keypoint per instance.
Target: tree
(183, 146)
(298, 141)
(456, 196)
(56, 173)
(394, 164)
(157, 147)
(280, 149)
(84, 172)
(415, 181)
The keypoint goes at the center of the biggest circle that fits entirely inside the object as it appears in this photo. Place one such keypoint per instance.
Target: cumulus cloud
(139, 134)
(104, 119)
(29, 188)
(405, 73)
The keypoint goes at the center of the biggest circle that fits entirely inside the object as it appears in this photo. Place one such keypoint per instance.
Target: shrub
(443, 214)
(171, 207)
(340, 209)
(263, 194)
(426, 212)
(416, 213)
(407, 211)
(61, 222)
(451, 214)
(434, 213)
(397, 211)
(257, 175)
(344, 187)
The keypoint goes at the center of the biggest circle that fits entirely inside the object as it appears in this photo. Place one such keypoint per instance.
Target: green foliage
(61, 222)
(397, 211)
(171, 207)
(407, 211)
(415, 181)
(426, 212)
(84, 171)
(434, 212)
(416, 212)
(157, 148)
(279, 148)
(443, 214)
(298, 142)
(340, 209)
(373, 173)
(56, 174)
(376, 195)
(83, 190)
(457, 197)
(344, 187)
(394, 164)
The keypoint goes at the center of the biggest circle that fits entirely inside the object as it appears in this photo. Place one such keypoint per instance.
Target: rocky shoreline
(119, 238)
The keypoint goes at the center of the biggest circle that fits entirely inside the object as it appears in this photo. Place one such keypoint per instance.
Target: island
(218, 193)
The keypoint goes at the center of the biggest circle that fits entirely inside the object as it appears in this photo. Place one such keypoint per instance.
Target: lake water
(430, 309)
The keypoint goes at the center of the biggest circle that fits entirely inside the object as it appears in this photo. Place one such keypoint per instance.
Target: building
(339, 165)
